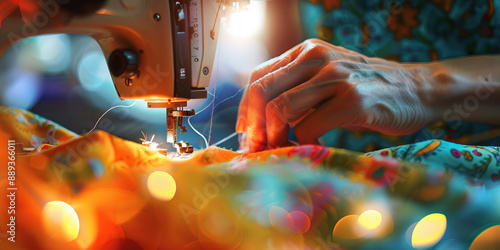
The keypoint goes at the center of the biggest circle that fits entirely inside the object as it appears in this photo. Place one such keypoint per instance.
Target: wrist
(454, 93)
(432, 83)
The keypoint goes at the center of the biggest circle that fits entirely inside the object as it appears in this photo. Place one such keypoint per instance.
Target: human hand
(319, 86)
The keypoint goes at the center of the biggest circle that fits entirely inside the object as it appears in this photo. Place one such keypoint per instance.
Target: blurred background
(65, 78)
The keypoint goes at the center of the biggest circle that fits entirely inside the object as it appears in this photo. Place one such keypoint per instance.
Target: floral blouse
(407, 30)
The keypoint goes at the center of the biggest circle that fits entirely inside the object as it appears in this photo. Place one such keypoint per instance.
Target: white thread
(231, 97)
(225, 139)
(195, 130)
(235, 133)
(212, 115)
(213, 99)
(117, 106)
(215, 91)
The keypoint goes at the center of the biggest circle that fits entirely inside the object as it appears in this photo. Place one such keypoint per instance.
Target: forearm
(466, 89)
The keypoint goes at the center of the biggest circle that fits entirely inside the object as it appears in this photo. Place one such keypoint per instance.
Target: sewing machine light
(245, 19)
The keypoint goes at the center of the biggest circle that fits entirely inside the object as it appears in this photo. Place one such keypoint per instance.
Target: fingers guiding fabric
(285, 89)
(256, 119)
(266, 89)
(275, 63)
(277, 127)
(328, 116)
(266, 68)
(241, 124)
(291, 106)
(261, 71)
(297, 74)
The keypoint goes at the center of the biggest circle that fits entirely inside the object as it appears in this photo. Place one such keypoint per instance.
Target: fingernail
(241, 125)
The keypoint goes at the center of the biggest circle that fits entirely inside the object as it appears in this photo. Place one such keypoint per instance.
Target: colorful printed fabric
(481, 163)
(102, 192)
(409, 31)
(32, 130)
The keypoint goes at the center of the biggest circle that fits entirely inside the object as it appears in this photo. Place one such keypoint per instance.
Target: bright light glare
(247, 22)
(161, 185)
(60, 221)
(428, 231)
(370, 219)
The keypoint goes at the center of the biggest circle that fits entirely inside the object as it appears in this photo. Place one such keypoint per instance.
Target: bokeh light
(21, 89)
(219, 225)
(47, 54)
(349, 228)
(161, 185)
(53, 52)
(60, 221)
(369, 224)
(375, 217)
(298, 222)
(93, 72)
(428, 231)
(488, 239)
(370, 219)
(277, 218)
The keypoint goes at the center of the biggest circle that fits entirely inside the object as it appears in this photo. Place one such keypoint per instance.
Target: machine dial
(123, 63)
(196, 37)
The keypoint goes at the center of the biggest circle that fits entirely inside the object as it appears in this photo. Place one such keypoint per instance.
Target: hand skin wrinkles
(342, 88)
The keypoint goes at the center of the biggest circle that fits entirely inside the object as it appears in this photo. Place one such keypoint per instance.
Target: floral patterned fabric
(32, 130)
(101, 192)
(481, 163)
(409, 31)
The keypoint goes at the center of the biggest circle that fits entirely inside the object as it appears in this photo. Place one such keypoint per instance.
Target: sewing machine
(161, 51)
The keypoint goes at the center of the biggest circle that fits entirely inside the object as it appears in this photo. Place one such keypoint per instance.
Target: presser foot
(174, 122)
(183, 148)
